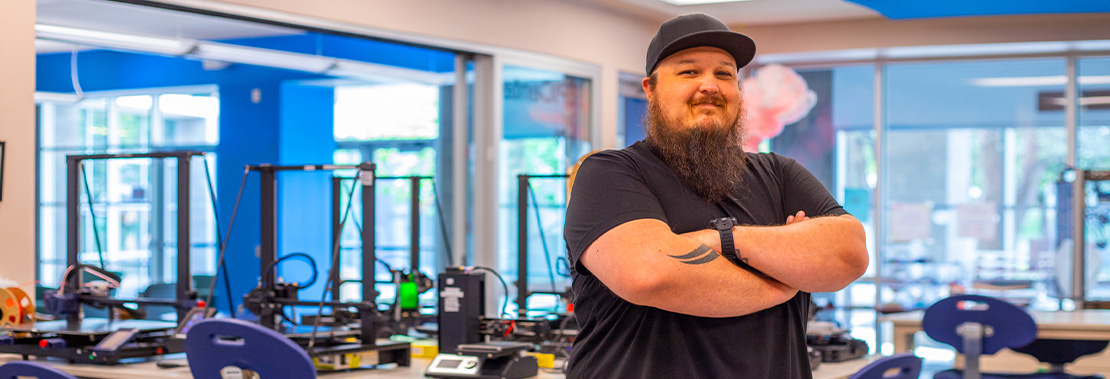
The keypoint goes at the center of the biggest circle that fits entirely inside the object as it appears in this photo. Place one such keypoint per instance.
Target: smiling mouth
(706, 106)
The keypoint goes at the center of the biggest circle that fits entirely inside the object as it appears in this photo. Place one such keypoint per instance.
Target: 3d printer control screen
(449, 363)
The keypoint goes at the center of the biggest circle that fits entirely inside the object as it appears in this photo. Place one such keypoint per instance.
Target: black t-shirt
(619, 339)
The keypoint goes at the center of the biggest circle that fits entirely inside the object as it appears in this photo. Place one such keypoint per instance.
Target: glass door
(405, 130)
(546, 117)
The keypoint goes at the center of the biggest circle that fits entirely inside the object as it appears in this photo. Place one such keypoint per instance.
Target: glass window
(632, 107)
(835, 141)
(1094, 113)
(393, 209)
(971, 164)
(546, 129)
(386, 112)
(396, 126)
(1093, 154)
(128, 206)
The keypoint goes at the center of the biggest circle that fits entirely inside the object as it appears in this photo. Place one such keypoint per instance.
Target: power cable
(443, 226)
(92, 215)
(504, 286)
(223, 248)
(543, 240)
(311, 262)
(376, 259)
(333, 272)
(219, 243)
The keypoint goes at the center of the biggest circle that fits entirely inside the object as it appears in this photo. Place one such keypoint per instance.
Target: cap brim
(738, 45)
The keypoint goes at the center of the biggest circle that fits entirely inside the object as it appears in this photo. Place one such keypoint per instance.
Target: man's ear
(648, 88)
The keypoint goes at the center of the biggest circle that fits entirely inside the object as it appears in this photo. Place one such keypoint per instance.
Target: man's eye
(725, 74)
(687, 72)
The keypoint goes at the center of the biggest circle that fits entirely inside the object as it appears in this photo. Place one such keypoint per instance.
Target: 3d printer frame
(107, 341)
(270, 302)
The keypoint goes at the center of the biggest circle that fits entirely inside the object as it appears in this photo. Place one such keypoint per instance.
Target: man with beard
(647, 227)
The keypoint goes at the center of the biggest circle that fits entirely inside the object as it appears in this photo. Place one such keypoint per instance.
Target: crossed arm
(822, 254)
(641, 261)
(645, 263)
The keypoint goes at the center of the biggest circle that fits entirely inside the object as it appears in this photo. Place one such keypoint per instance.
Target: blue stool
(214, 344)
(17, 369)
(977, 325)
(908, 366)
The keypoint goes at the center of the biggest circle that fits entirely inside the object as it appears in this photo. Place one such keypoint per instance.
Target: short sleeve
(608, 191)
(802, 191)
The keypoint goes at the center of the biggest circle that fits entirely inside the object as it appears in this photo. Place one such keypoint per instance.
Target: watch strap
(728, 246)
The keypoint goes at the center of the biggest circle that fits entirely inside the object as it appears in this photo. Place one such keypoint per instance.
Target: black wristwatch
(724, 226)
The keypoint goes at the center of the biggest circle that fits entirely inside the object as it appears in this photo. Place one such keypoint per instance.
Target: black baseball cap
(694, 30)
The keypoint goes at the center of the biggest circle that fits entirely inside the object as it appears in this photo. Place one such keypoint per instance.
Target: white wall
(879, 33)
(17, 129)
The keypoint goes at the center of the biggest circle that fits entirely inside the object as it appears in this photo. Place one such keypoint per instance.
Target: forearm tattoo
(702, 255)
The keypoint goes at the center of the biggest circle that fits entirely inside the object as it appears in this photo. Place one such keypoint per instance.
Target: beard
(708, 159)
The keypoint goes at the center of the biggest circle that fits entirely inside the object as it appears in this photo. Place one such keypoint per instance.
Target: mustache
(711, 100)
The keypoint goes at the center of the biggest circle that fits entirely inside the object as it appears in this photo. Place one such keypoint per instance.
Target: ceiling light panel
(699, 2)
(127, 42)
(262, 57)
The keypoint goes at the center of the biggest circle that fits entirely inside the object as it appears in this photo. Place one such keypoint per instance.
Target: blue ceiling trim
(904, 9)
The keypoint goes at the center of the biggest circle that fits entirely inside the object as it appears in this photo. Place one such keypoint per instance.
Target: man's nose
(708, 85)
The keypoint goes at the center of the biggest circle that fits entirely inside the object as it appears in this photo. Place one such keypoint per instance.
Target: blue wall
(304, 199)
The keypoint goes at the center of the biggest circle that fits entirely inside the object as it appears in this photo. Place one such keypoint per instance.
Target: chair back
(1005, 324)
(25, 369)
(907, 365)
(211, 345)
(163, 291)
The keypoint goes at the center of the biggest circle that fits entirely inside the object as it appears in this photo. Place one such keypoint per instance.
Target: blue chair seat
(28, 369)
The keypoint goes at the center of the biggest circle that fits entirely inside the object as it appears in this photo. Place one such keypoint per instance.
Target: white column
(17, 130)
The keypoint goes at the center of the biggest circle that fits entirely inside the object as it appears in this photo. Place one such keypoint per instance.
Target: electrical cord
(268, 272)
(379, 260)
(92, 215)
(442, 229)
(223, 248)
(565, 353)
(333, 273)
(543, 239)
(562, 267)
(563, 327)
(504, 286)
(219, 243)
(112, 279)
(561, 347)
(443, 226)
(281, 313)
(73, 77)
